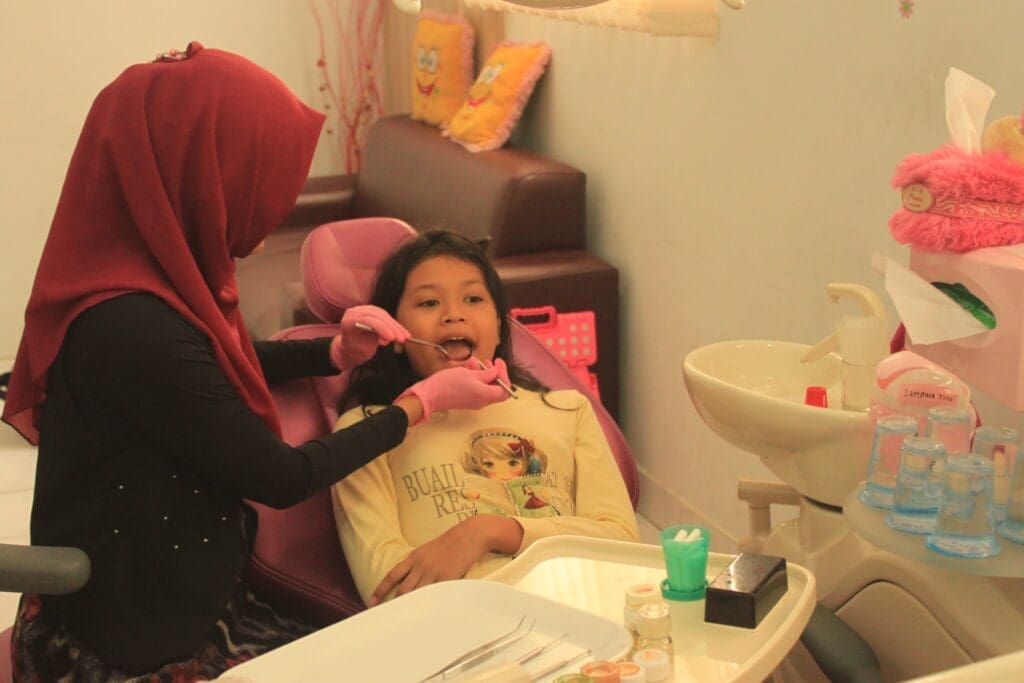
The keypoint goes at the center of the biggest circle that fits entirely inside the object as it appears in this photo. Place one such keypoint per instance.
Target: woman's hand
(355, 345)
(451, 555)
(460, 387)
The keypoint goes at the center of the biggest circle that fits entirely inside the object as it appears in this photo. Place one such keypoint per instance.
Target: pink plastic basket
(570, 336)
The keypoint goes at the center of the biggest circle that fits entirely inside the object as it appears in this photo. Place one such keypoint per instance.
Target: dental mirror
(460, 350)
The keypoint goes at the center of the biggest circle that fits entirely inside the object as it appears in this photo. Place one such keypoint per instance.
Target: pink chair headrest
(339, 261)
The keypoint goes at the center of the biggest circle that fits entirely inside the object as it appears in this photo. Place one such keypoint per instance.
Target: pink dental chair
(297, 558)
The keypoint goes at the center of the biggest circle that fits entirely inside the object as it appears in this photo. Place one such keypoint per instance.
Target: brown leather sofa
(529, 210)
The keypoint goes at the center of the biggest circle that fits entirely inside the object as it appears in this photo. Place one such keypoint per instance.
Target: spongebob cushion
(498, 96)
(442, 67)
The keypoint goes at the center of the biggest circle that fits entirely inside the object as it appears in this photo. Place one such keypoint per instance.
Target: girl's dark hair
(380, 380)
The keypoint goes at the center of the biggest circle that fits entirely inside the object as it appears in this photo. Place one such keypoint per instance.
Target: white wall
(730, 181)
(55, 55)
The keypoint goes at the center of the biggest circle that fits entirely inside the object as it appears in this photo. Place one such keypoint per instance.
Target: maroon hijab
(182, 165)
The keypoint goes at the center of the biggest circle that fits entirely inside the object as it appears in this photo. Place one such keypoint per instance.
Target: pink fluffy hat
(960, 201)
(970, 194)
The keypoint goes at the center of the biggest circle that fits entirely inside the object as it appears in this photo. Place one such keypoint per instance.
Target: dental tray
(411, 637)
(593, 574)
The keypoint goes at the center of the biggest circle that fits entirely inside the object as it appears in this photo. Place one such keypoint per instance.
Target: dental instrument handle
(415, 340)
(499, 381)
(444, 351)
(558, 665)
(504, 672)
(485, 655)
(540, 649)
(483, 647)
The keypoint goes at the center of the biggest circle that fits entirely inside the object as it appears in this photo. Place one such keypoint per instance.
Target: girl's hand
(354, 346)
(451, 555)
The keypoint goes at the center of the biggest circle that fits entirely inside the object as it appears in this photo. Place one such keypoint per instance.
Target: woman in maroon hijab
(149, 402)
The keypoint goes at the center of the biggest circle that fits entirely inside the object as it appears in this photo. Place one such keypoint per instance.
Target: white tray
(411, 637)
(593, 574)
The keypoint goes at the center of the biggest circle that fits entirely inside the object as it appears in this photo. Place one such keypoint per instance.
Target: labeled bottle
(655, 631)
(637, 596)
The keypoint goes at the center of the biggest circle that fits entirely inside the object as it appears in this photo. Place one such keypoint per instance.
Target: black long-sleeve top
(146, 455)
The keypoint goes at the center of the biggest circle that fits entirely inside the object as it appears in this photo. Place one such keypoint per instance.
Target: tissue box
(746, 590)
(992, 361)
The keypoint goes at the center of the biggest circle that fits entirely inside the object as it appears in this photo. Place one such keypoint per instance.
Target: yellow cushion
(442, 67)
(498, 96)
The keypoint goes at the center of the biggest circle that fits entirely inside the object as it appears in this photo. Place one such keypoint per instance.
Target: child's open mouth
(458, 348)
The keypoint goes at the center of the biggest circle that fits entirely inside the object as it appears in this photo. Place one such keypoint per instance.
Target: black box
(746, 590)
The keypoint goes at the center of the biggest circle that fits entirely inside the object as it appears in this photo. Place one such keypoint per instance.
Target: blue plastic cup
(999, 445)
(952, 427)
(965, 525)
(885, 459)
(1012, 527)
(686, 563)
(915, 502)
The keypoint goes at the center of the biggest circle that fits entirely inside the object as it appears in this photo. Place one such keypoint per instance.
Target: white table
(592, 575)
(421, 630)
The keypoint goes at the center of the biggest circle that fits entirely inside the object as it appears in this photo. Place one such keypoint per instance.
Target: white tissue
(929, 315)
(967, 102)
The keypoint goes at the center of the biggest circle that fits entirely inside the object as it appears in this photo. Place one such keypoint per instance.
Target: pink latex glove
(466, 388)
(354, 346)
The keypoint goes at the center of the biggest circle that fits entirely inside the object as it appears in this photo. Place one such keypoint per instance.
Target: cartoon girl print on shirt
(505, 475)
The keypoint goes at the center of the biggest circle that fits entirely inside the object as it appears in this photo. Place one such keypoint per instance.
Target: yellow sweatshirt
(549, 468)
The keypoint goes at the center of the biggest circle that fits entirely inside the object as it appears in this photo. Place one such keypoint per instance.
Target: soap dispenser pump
(859, 339)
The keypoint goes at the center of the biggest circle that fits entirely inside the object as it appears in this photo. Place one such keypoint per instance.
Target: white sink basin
(751, 393)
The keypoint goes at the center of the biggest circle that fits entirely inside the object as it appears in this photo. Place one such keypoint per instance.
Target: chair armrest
(839, 651)
(46, 570)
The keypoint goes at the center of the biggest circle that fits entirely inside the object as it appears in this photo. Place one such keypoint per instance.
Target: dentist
(136, 377)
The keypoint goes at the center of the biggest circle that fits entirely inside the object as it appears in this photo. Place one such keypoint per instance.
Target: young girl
(468, 489)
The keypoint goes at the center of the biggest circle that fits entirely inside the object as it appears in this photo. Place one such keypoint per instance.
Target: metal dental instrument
(443, 351)
(558, 665)
(415, 340)
(484, 648)
(540, 649)
(485, 655)
(500, 382)
(513, 670)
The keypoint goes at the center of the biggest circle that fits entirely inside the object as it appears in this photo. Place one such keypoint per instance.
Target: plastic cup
(965, 525)
(915, 502)
(952, 427)
(686, 563)
(999, 445)
(885, 459)
(1012, 527)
